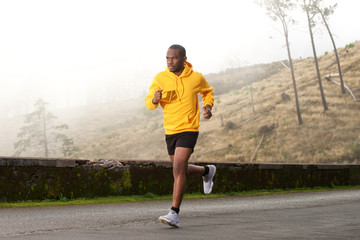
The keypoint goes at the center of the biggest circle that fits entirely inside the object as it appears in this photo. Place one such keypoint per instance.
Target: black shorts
(183, 139)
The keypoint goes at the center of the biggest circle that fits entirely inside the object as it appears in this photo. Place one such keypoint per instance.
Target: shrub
(350, 45)
(230, 125)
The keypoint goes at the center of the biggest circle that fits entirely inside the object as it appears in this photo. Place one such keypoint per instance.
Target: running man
(176, 90)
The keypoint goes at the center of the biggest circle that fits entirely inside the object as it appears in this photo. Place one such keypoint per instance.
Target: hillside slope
(330, 136)
(130, 131)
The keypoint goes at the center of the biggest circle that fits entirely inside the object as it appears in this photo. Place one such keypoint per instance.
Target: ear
(185, 58)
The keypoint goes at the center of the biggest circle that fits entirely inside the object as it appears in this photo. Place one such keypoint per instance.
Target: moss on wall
(135, 178)
(37, 183)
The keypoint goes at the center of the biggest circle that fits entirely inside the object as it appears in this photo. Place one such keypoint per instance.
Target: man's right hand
(157, 96)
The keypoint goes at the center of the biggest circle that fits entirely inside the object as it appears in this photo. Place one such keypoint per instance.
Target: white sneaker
(208, 179)
(172, 218)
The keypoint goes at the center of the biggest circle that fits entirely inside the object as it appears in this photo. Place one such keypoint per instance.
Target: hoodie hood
(178, 80)
(188, 68)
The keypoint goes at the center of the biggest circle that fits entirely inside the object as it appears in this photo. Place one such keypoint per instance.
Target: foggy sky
(79, 52)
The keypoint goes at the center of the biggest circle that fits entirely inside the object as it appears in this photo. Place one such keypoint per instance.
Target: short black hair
(181, 49)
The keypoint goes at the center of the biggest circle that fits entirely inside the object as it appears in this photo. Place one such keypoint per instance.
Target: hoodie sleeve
(150, 96)
(206, 92)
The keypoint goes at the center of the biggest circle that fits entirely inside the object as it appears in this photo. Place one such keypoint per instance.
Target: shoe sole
(168, 223)
(212, 183)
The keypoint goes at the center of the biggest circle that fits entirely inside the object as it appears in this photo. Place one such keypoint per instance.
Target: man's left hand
(207, 111)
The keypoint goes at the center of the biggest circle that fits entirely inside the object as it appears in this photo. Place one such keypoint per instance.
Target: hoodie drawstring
(177, 88)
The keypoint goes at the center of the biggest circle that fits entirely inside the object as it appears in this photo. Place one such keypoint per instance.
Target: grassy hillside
(130, 131)
(331, 136)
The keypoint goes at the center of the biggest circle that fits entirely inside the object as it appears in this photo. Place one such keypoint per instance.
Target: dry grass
(325, 136)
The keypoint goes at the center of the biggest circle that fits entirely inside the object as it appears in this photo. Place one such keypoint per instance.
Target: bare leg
(180, 161)
(194, 170)
(181, 168)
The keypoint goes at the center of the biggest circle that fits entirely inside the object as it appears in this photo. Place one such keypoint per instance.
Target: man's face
(174, 61)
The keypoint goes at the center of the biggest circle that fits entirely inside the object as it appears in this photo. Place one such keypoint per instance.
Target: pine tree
(41, 137)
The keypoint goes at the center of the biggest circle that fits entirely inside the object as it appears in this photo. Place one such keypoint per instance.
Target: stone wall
(38, 179)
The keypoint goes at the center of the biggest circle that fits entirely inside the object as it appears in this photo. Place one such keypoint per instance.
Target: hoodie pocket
(191, 116)
(169, 96)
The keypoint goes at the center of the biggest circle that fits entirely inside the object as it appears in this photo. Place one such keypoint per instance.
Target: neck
(178, 73)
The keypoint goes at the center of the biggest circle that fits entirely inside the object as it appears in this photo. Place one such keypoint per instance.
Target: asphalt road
(316, 215)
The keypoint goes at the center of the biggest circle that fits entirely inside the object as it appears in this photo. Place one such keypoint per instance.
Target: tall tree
(325, 12)
(278, 10)
(42, 137)
(309, 8)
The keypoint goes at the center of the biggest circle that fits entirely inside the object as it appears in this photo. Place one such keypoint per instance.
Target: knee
(179, 170)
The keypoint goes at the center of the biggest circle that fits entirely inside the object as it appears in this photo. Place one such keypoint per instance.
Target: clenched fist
(207, 112)
(157, 96)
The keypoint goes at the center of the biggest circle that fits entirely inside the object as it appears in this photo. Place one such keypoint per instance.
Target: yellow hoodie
(179, 98)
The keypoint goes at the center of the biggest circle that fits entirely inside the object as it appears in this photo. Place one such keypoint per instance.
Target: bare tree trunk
(335, 50)
(257, 148)
(293, 80)
(315, 59)
(252, 99)
(46, 149)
